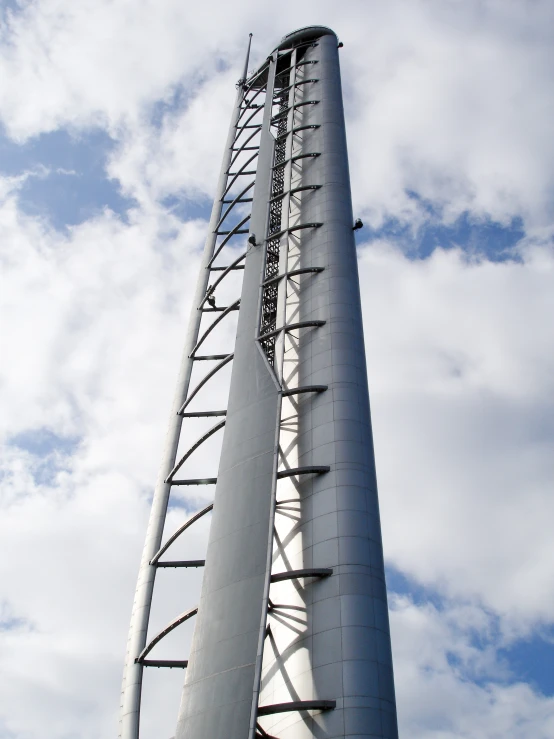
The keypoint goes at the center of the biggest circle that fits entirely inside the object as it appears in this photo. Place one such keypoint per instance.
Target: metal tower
(291, 637)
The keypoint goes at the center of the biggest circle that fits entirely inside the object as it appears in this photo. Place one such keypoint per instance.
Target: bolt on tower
(291, 638)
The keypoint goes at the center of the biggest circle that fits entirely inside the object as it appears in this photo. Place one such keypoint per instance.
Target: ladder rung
(165, 663)
(218, 310)
(295, 574)
(182, 563)
(318, 705)
(299, 227)
(197, 481)
(310, 469)
(205, 357)
(293, 273)
(291, 327)
(305, 389)
(203, 414)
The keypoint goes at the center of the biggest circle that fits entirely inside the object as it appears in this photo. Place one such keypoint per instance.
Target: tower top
(303, 34)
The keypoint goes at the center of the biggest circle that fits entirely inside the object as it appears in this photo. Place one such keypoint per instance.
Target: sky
(113, 117)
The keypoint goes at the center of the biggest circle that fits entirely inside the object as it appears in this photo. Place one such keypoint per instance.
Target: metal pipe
(132, 676)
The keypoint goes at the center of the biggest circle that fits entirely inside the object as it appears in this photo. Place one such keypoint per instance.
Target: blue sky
(528, 660)
(479, 236)
(108, 158)
(66, 182)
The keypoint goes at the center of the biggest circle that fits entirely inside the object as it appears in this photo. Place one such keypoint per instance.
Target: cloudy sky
(113, 119)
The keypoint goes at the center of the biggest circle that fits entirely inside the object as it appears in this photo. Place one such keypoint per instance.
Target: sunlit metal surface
(291, 637)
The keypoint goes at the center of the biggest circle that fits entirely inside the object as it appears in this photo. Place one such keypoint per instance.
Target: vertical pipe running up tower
(291, 637)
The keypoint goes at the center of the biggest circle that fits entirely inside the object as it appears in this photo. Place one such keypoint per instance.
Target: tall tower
(291, 638)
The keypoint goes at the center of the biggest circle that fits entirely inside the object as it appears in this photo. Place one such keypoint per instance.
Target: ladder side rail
(133, 671)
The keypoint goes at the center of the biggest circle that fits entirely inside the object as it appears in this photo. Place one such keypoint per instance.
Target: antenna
(244, 74)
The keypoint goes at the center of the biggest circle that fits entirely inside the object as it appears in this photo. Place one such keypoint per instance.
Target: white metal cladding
(217, 697)
(291, 637)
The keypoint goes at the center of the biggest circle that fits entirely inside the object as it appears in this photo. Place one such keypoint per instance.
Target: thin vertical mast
(245, 73)
(133, 672)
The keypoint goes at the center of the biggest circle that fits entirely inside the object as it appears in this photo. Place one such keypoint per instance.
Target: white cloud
(92, 330)
(460, 367)
(183, 155)
(97, 63)
(434, 655)
(451, 100)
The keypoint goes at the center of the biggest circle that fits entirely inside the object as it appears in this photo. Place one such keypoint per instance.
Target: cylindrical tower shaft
(329, 637)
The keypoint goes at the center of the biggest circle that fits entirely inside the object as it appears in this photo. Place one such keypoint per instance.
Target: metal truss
(288, 102)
